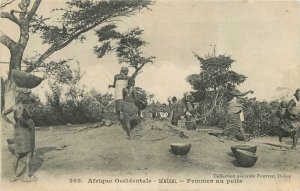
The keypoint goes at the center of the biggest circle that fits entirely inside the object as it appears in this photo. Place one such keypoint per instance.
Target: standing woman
(24, 132)
(120, 81)
(293, 110)
(189, 111)
(234, 125)
(130, 111)
(175, 111)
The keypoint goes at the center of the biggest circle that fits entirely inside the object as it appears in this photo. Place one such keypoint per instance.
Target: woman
(189, 111)
(24, 133)
(120, 81)
(293, 110)
(234, 125)
(129, 109)
(175, 111)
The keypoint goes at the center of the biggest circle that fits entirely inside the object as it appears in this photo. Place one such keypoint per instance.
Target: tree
(151, 96)
(127, 46)
(215, 73)
(80, 17)
(61, 74)
(211, 83)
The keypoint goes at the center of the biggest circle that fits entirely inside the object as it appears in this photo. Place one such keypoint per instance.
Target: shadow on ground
(38, 158)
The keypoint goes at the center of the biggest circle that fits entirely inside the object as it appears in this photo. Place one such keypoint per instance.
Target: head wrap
(124, 69)
(131, 81)
(24, 95)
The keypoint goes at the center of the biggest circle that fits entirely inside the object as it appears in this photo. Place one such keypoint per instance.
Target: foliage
(150, 97)
(127, 46)
(79, 17)
(71, 24)
(260, 117)
(215, 73)
(86, 108)
(211, 87)
(212, 112)
(158, 107)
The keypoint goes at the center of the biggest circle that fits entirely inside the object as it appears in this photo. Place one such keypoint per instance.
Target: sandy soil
(66, 150)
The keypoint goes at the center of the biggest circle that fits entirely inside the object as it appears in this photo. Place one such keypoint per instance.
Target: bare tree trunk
(9, 97)
(2, 94)
(10, 87)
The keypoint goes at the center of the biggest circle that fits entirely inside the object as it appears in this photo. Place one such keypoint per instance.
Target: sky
(263, 38)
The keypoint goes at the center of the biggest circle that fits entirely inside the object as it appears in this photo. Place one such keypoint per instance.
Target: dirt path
(64, 150)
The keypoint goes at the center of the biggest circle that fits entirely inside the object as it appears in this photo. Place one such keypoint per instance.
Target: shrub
(92, 109)
(86, 109)
(260, 117)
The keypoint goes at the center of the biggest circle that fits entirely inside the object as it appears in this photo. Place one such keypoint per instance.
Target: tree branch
(33, 10)
(6, 3)
(11, 17)
(137, 71)
(40, 59)
(76, 35)
(55, 47)
(8, 42)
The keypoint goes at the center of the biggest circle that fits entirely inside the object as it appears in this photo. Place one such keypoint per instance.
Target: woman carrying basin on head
(23, 143)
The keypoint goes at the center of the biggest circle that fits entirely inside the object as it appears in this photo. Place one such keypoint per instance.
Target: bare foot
(29, 179)
(14, 179)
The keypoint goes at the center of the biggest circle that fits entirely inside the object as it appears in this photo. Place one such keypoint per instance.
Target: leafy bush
(211, 86)
(260, 117)
(92, 109)
(85, 109)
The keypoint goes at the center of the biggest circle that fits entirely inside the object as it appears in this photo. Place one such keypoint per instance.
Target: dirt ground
(66, 150)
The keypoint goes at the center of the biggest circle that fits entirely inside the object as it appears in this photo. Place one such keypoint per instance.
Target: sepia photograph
(150, 95)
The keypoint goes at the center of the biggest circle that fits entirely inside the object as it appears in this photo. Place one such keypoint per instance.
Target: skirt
(24, 139)
(130, 111)
(175, 117)
(234, 125)
(119, 104)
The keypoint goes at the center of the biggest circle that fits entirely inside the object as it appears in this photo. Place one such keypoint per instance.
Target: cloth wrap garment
(234, 124)
(120, 84)
(129, 109)
(24, 136)
(177, 112)
(296, 121)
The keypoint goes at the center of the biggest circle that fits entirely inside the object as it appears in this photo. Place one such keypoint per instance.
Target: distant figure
(175, 111)
(130, 111)
(120, 81)
(23, 143)
(285, 125)
(234, 122)
(189, 111)
(170, 101)
(293, 109)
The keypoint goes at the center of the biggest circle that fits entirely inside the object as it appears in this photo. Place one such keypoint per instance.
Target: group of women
(23, 144)
(183, 110)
